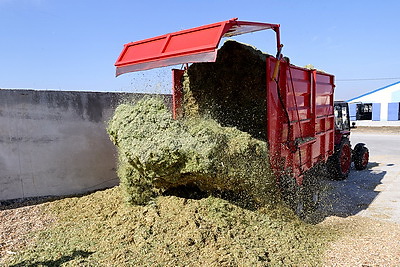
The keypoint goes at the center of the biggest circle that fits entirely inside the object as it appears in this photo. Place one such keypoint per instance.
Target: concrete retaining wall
(55, 142)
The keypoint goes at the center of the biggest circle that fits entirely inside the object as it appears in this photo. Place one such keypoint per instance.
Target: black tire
(360, 157)
(339, 163)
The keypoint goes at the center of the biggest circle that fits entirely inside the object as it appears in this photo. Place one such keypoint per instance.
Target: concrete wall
(55, 142)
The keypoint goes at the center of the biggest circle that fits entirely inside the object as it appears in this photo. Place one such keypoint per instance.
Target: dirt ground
(368, 242)
(383, 129)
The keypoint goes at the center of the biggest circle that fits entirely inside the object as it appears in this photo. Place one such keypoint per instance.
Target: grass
(100, 229)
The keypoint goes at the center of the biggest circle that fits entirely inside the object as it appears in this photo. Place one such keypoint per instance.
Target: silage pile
(157, 153)
(100, 229)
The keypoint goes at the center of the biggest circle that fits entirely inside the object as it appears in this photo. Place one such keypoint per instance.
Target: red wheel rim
(345, 158)
(365, 159)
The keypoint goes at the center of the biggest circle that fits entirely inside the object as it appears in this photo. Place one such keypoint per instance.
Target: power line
(367, 79)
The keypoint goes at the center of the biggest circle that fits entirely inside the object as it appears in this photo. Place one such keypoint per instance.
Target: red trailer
(301, 131)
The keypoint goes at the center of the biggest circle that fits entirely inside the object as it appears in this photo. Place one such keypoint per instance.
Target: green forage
(157, 153)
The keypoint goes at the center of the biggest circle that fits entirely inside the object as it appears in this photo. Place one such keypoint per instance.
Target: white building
(382, 105)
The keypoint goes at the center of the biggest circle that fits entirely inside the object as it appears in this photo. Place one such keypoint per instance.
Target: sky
(73, 45)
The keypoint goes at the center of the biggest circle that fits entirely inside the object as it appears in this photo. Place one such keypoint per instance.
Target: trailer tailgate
(188, 46)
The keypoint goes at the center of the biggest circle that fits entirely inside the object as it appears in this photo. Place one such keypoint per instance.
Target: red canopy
(188, 46)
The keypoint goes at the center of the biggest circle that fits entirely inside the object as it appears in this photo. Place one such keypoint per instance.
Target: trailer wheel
(339, 163)
(360, 156)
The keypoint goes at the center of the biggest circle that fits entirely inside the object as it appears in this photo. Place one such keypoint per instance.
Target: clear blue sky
(72, 45)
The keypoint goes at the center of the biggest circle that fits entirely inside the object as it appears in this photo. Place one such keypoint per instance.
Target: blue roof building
(385, 103)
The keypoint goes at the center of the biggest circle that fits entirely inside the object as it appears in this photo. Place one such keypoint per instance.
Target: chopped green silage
(157, 153)
(101, 229)
(231, 90)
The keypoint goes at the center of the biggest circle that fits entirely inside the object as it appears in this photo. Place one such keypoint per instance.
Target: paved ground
(374, 192)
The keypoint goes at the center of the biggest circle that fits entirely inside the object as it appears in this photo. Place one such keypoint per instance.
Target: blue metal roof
(373, 91)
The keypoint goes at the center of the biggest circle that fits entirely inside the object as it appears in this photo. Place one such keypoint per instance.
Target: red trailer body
(300, 119)
(300, 116)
